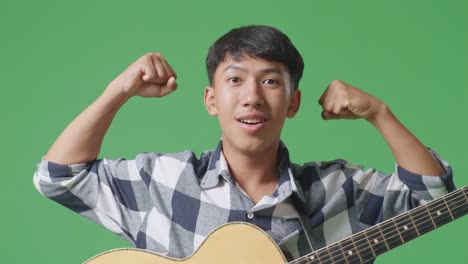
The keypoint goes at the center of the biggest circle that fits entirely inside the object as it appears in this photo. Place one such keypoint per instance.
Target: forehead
(249, 64)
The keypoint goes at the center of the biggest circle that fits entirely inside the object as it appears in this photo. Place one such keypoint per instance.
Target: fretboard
(378, 239)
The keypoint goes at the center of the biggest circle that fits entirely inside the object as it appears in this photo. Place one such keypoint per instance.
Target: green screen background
(58, 56)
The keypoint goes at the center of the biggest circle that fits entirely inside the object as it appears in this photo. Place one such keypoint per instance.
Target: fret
(377, 242)
(337, 253)
(324, 256)
(412, 221)
(342, 251)
(397, 230)
(363, 248)
(457, 205)
(390, 234)
(382, 236)
(356, 251)
(460, 211)
(369, 243)
(443, 198)
(349, 250)
(439, 213)
(330, 254)
(312, 258)
(464, 210)
(423, 220)
(406, 227)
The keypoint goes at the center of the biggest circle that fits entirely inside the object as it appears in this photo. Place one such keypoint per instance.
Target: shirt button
(250, 215)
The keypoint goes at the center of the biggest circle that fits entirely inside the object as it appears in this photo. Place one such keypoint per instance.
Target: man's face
(252, 98)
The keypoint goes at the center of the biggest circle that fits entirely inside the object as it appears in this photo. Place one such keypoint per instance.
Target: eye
(271, 82)
(234, 79)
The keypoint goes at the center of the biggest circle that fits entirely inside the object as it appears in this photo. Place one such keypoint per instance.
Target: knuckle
(151, 74)
(163, 76)
(147, 58)
(336, 83)
(155, 54)
(328, 108)
(342, 92)
(150, 54)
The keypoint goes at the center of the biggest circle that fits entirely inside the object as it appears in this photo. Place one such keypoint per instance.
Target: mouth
(252, 121)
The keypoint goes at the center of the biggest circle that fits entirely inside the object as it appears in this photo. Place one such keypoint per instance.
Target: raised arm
(343, 101)
(149, 76)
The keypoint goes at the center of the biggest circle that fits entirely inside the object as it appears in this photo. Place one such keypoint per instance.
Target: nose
(252, 94)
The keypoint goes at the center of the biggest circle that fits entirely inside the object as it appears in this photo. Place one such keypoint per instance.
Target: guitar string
(449, 198)
(328, 257)
(360, 251)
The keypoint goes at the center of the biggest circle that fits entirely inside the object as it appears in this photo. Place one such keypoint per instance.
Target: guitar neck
(378, 239)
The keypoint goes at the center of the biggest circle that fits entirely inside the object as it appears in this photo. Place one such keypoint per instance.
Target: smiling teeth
(251, 121)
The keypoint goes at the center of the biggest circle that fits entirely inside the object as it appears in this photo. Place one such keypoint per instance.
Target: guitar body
(232, 243)
(240, 242)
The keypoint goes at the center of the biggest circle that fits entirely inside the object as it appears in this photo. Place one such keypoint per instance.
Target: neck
(256, 172)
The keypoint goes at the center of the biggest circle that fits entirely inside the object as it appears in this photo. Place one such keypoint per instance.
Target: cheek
(225, 104)
(280, 103)
(226, 99)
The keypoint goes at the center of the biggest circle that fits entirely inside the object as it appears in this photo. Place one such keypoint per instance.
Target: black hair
(264, 42)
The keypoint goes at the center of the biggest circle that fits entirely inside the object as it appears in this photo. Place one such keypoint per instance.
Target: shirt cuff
(417, 182)
(54, 170)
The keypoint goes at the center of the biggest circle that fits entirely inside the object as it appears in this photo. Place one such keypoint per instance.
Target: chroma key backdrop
(56, 57)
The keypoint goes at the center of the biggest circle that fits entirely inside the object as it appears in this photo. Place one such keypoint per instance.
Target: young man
(170, 202)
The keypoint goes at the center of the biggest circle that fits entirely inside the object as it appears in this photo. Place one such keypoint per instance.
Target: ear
(295, 103)
(210, 102)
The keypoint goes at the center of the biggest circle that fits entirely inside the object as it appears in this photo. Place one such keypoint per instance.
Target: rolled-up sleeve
(384, 196)
(93, 190)
(428, 187)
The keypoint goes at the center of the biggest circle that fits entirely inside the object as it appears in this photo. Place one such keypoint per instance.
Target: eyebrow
(267, 70)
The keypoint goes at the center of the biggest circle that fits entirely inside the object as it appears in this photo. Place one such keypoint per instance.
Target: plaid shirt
(170, 202)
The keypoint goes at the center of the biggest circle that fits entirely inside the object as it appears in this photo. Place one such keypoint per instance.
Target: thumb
(169, 86)
(171, 83)
(329, 115)
(344, 114)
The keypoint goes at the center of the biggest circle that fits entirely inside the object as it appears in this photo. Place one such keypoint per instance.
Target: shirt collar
(214, 172)
(218, 169)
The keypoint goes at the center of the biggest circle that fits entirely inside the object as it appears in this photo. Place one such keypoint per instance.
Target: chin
(252, 145)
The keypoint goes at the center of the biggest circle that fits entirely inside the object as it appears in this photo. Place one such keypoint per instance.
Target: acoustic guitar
(243, 243)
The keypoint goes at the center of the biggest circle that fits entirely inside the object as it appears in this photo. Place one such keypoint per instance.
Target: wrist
(113, 98)
(383, 115)
(118, 92)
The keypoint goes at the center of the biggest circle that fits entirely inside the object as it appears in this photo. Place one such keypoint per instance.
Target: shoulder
(324, 168)
(173, 161)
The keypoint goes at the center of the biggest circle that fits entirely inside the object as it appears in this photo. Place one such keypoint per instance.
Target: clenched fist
(343, 101)
(149, 76)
